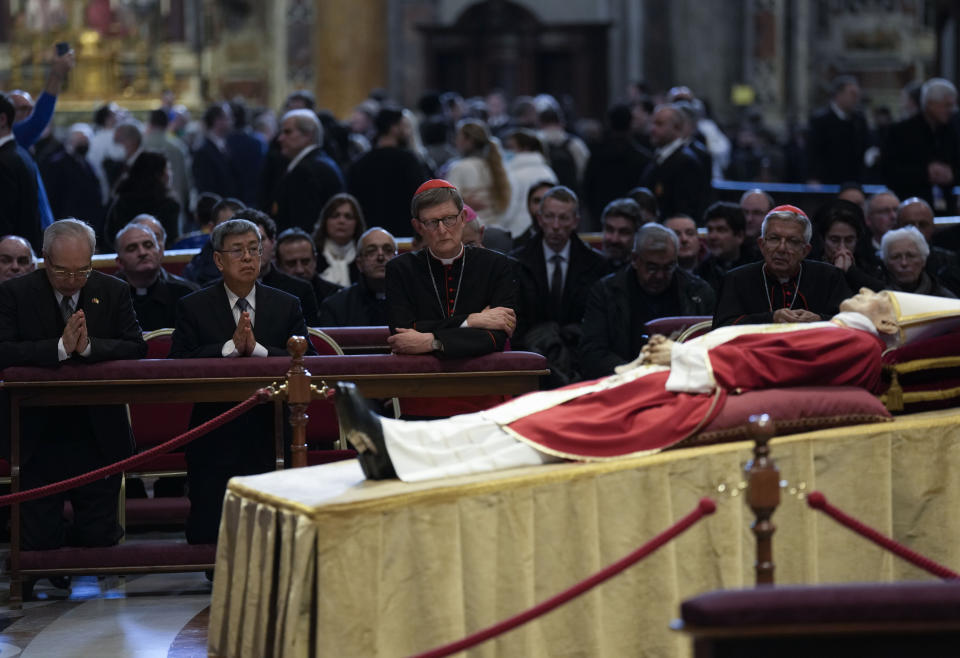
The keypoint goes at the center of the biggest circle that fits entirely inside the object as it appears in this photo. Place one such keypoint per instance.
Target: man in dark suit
(838, 135)
(154, 290)
(213, 170)
(236, 319)
(675, 175)
(921, 156)
(556, 271)
(18, 184)
(72, 186)
(311, 177)
(68, 312)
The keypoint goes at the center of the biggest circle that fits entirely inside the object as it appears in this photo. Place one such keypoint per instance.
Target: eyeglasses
(388, 250)
(79, 275)
(431, 224)
(791, 244)
(240, 252)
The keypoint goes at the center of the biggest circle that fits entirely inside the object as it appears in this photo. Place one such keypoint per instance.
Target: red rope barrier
(259, 397)
(818, 501)
(704, 508)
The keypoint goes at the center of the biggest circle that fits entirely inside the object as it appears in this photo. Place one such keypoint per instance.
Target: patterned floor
(149, 616)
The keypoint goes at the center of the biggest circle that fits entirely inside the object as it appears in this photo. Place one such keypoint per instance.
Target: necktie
(556, 284)
(66, 307)
(243, 305)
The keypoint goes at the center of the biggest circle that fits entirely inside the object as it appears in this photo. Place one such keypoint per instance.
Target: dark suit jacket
(678, 184)
(213, 171)
(586, 267)
(836, 146)
(205, 322)
(911, 145)
(303, 191)
(18, 189)
(31, 326)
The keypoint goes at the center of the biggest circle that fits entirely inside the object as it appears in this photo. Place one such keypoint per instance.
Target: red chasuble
(641, 415)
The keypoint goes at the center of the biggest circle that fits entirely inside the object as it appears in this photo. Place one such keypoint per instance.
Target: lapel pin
(95, 300)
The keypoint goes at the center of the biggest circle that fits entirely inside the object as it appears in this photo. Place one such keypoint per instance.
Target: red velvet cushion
(867, 602)
(152, 553)
(793, 410)
(931, 348)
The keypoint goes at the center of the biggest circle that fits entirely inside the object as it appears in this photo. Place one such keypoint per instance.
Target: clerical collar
(665, 152)
(300, 156)
(445, 261)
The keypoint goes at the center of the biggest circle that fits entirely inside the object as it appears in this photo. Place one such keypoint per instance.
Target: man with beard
(619, 221)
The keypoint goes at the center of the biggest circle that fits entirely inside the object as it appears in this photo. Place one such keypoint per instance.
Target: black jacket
(911, 145)
(354, 306)
(617, 310)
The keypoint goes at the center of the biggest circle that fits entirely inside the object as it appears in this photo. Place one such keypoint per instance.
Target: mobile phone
(63, 48)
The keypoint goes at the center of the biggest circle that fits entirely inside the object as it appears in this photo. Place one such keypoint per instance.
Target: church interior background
(776, 55)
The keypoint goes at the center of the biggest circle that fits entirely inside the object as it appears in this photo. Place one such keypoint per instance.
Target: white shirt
(300, 156)
(61, 350)
(229, 349)
(665, 152)
(4, 140)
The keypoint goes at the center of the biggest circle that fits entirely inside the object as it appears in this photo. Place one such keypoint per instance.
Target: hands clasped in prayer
(795, 315)
(75, 337)
(243, 339)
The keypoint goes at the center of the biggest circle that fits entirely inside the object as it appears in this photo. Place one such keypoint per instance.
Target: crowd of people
(296, 223)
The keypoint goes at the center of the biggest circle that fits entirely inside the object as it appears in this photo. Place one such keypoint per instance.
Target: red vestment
(641, 415)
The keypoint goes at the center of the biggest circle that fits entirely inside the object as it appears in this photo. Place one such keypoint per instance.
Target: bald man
(16, 257)
(675, 176)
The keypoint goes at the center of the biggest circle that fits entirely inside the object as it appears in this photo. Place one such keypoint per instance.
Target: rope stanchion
(704, 508)
(261, 396)
(818, 501)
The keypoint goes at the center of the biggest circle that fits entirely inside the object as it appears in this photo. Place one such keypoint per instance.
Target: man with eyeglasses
(650, 286)
(556, 271)
(447, 299)
(16, 257)
(68, 312)
(783, 287)
(295, 255)
(237, 318)
(365, 302)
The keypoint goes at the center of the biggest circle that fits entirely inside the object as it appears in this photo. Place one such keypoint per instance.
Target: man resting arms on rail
(667, 394)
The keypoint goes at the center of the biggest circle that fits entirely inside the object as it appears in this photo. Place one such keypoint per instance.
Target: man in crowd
(16, 257)
(69, 312)
(365, 302)
(881, 216)
(238, 318)
(921, 156)
(688, 257)
(675, 176)
(556, 271)
(296, 256)
(385, 178)
(942, 264)
(129, 141)
(311, 177)
(783, 287)
(447, 299)
(155, 291)
(72, 184)
(838, 135)
(725, 227)
(201, 268)
(181, 178)
(213, 169)
(639, 410)
(18, 185)
(620, 220)
(755, 205)
(270, 275)
(620, 304)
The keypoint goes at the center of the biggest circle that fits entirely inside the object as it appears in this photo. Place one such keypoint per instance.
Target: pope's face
(875, 305)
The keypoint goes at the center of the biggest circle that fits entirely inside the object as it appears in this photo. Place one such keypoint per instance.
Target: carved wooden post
(298, 397)
(763, 495)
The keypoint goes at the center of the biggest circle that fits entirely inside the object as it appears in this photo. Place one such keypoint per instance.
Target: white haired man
(783, 287)
(311, 178)
(905, 252)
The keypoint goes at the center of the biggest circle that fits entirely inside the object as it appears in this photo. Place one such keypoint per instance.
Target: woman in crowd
(905, 253)
(335, 234)
(479, 174)
(846, 244)
(527, 167)
(145, 188)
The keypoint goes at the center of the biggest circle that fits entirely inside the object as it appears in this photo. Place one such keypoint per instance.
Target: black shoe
(364, 432)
